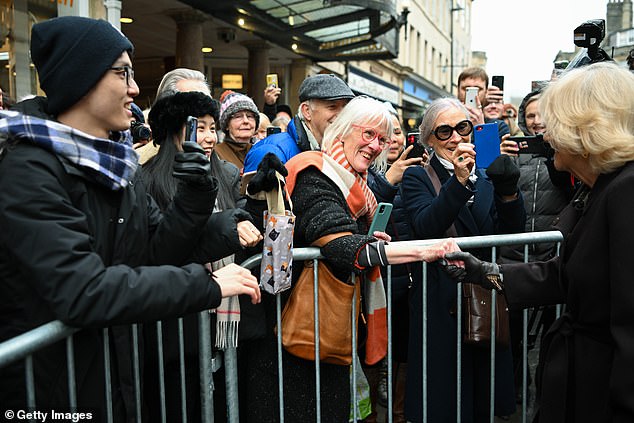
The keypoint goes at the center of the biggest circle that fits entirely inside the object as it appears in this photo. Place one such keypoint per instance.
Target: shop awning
(322, 30)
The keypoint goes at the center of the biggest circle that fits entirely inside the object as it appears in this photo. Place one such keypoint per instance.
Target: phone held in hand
(271, 79)
(487, 144)
(270, 130)
(471, 97)
(412, 139)
(531, 144)
(191, 126)
(381, 217)
(498, 81)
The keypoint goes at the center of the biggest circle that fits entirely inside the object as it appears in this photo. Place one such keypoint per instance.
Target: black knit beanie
(169, 114)
(71, 54)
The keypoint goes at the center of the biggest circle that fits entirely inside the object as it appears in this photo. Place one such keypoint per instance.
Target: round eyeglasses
(370, 134)
(463, 128)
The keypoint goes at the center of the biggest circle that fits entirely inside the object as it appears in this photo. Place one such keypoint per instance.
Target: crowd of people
(100, 234)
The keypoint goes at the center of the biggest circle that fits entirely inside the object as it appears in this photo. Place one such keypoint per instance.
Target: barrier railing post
(280, 364)
(390, 378)
(70, 364)
(317, 353)
(424, 340)
(205, 359)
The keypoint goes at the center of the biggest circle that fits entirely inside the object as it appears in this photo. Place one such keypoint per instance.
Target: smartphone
(471, 96)
(531, 144)
(412, 139)
(270, 130)
(498, 81)
(191, 127)
(381, 217)
(487, 144)
(271, 79)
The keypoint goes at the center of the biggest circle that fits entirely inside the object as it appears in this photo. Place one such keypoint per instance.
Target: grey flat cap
(324, 87)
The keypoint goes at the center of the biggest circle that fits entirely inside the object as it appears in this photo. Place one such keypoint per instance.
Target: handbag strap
(320, 242)
(435, 181)
(275, 197)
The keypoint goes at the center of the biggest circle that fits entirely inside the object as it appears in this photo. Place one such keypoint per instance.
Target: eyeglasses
(127, 71)
(463, 128)
(242, 115)
(370, 134)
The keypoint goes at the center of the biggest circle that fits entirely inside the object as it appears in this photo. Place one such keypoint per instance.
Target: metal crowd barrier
(23, 346)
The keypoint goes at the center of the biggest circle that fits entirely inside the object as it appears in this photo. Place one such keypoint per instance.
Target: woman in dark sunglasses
(450, 197)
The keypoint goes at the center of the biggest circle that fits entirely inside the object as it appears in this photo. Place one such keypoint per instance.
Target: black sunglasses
(463, 128)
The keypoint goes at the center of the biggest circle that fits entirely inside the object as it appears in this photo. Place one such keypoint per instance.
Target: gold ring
(460, 158)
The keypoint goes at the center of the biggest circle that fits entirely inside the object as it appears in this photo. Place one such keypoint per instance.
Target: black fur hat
(169, 114)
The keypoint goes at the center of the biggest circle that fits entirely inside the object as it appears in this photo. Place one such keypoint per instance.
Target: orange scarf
(361, 202)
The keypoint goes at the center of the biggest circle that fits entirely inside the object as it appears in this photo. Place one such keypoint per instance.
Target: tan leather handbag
(335, 313)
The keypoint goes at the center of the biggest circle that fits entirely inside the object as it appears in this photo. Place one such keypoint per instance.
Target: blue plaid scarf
(109, 162)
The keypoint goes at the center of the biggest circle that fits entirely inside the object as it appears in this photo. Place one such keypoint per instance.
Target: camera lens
(140, 131)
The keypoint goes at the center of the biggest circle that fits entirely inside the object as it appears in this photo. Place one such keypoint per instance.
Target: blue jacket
(284, 145)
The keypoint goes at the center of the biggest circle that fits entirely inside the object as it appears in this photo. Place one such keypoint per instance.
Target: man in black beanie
(81, 240)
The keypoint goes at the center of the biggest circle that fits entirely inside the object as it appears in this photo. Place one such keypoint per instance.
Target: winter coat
(429, 216)
(321, 209)
(587, 359)
(91, 257)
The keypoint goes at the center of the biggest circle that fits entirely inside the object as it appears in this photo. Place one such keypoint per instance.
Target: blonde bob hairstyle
(364, 111)
(589, 112)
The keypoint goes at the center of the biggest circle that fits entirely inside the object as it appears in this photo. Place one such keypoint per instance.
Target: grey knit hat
(71, 54)
(324, 87)
(233, 103)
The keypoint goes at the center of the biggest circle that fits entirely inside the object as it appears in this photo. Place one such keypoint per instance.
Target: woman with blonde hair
(585, 371)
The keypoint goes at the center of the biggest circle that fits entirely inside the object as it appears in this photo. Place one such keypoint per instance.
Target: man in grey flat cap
(322, 97)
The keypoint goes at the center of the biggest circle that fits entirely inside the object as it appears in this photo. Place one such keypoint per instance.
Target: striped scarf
(337, 154)
(361, 202)
(108, 162)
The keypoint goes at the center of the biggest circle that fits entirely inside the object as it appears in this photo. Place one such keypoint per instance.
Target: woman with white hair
(330, 195)
(452, 198)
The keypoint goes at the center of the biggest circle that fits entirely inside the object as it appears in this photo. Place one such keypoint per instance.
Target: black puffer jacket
(75, 251)
(546, 192)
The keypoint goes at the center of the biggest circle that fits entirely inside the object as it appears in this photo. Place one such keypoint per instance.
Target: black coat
(429, 216)
(588, 356)
(75, 251)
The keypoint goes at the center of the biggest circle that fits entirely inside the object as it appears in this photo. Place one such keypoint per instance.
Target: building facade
(406, 52)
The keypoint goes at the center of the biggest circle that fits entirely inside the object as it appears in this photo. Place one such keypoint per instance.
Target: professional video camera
(589, 35)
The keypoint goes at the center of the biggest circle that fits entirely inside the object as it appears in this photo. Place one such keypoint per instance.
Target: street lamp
(451, 65)
(401, 20)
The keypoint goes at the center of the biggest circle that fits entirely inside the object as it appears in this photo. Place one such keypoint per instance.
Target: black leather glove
(192, 166)
(474, 271)
(265, 179)
(504, 174)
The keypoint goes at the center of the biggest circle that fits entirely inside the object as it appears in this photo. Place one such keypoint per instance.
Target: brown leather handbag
(335, 313)
(477, 317)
